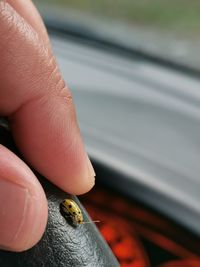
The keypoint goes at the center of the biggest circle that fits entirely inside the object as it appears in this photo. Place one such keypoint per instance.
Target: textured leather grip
(63, 245)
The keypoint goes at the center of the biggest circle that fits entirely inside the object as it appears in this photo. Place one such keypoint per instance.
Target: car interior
(139, 114)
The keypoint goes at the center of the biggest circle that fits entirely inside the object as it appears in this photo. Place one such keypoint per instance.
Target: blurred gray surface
(168, 44)
(143, 121)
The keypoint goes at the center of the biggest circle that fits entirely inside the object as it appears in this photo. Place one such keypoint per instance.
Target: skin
(42, 116)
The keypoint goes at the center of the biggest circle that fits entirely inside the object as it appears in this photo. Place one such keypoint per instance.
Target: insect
(71, 209)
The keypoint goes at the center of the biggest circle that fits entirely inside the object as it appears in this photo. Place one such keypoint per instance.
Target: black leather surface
(63, 245)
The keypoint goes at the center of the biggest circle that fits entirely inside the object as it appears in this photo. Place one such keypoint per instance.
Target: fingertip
(50, 140)
(84, 184)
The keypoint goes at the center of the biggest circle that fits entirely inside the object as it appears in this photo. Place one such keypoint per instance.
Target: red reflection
(124, 223)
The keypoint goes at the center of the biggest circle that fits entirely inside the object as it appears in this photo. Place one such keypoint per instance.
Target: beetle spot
(70, 206)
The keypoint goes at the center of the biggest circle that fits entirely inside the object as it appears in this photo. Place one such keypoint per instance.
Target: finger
(28, 11)
(40, 107)
(23, 206)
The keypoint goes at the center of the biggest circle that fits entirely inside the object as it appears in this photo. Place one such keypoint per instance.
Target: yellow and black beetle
(71, 209)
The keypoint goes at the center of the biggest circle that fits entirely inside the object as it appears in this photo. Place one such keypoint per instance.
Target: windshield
(166, 29)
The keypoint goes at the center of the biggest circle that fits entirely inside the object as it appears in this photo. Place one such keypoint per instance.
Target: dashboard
(140, 120)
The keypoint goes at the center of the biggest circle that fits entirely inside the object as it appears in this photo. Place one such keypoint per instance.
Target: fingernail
(91, 172)
(13, 203)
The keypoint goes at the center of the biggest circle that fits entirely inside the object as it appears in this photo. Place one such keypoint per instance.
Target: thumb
(23, 206)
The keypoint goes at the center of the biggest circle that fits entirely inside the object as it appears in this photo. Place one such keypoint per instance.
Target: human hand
(42, 118)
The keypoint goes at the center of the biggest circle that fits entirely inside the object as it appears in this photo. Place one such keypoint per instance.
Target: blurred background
(133, 67)
(170, 29)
